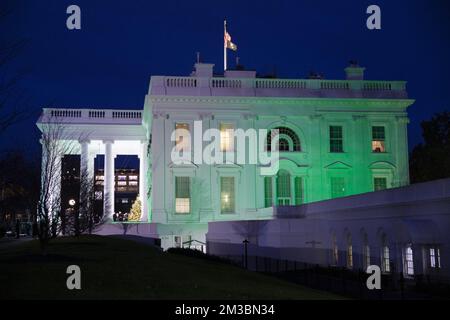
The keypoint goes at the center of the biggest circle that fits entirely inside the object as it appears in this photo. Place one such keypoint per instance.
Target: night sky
(109, 62)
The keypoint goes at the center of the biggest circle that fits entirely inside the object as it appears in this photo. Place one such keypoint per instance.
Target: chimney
(203, 70)
(354, 71)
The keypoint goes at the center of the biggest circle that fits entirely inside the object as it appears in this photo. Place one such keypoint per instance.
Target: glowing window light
(378, 139)
(182, 138)
(227, 195)
(226, 137)
(182, 195)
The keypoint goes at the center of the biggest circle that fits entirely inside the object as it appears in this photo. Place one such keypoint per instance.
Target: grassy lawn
(113, 268)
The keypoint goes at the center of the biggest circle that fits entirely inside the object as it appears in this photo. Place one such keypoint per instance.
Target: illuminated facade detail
(330, 145)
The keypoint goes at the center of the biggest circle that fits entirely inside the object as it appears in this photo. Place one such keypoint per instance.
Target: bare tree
(87, 220)
(55, 144)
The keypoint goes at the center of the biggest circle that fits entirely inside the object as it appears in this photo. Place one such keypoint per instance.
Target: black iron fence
(346, 282)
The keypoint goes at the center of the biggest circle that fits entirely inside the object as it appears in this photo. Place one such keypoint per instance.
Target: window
(298, 190)
(438, 252)
(350, 257)
(268, 192)
(182, 138)
(336, 142)
(132, 177)
(227, 195)
(337, 187)
(121, 183)
(121, 178)
(349, 252)
(285, 134)
(435, 258)
(366, 256)
(283, 188)
(177, 241)
(379, 183)
(226, 137)
(283, 145)
(385, 262)
(132, 183)
(378, 139)
(432, 258)
(182, 195)
(409, 261)
(366, 252)
(335, 251)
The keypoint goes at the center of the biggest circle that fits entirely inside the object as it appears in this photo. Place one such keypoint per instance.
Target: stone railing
(90, 116)
(217, 86)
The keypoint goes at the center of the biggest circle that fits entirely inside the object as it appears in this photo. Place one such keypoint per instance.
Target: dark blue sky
(109, 62)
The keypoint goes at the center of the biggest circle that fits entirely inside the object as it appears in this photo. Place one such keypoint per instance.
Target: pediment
(338, 165)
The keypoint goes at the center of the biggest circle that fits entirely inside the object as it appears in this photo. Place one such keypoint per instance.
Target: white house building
(335, 138)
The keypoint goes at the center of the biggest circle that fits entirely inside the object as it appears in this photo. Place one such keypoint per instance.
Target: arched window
(283, 144)
(349, 252)
(366, 251)
(335, 250)
(385, 259)
(288, 140)
(409, 260)
(283, 188)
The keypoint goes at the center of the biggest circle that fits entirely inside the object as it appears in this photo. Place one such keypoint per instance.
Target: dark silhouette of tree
(19, 184)
(430, 160)
(14, 102)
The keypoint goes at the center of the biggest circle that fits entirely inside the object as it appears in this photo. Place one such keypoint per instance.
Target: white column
(143, 168)
(108, 182)
(86, 174)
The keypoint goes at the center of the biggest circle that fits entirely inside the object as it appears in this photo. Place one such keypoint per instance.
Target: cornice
(313, 102)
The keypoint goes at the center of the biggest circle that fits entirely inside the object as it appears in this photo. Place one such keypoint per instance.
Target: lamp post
(245, 253)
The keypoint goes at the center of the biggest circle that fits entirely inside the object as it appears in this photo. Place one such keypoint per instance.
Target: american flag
(227, 42)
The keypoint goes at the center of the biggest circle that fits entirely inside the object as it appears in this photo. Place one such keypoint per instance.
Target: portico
(90, 133)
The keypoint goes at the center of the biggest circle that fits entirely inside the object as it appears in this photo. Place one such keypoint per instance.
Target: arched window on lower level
(409, 260)
(335, 250)
(366, 252)
(349, 252)
(385, 259)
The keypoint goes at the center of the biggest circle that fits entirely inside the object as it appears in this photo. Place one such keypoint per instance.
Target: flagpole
(224, 45)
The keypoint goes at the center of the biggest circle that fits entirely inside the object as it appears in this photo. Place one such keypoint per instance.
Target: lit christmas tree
(135, 214)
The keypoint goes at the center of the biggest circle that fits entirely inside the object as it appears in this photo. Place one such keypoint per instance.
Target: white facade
(180, 200)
